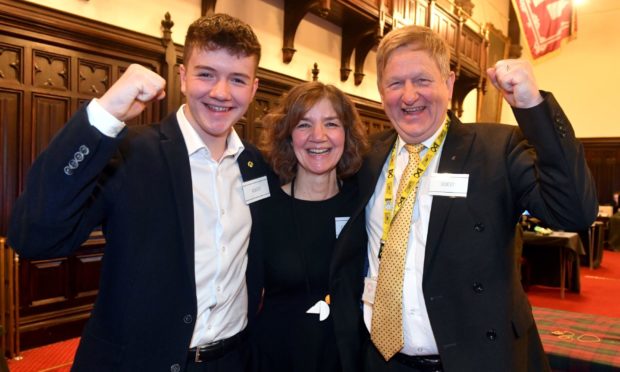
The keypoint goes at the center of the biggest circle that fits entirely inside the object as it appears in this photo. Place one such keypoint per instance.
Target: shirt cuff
(105, 122)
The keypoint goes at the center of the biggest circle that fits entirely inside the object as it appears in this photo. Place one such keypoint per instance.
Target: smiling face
(218, 87)
(318, 140)
(415, 96)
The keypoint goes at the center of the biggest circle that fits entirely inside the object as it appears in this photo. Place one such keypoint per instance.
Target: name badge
(256, 189)
(340, 222)
(448, 184)
(370, 287)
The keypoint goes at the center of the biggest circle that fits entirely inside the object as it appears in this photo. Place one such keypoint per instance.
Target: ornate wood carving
(11, 63)
(51, 63)
(294, 12)
(364, 22)
(315, 72)
(94, 78)
(81, 58)
(50, 71)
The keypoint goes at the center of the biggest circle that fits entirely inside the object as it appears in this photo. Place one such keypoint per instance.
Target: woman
(309, 318)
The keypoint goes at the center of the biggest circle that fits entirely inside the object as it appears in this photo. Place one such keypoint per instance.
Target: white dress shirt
(417, 332)
(222, 224)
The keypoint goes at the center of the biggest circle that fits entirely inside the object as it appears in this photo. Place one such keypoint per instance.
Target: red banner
(545, 23)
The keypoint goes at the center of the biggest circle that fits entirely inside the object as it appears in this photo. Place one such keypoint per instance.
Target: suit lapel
(366, 180)
(177, 159)
(370, 171)
(250, 165)
(454, 157)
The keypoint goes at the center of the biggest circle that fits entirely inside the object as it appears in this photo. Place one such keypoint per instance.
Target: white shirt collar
(427, 143)
(194, 143)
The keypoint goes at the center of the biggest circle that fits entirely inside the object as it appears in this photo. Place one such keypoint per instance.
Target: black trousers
(237, 360)
(374, 362)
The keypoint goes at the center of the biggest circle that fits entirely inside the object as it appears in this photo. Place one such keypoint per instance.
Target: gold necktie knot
(414, 148)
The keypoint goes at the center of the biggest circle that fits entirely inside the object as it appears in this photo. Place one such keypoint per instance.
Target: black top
(298, 238)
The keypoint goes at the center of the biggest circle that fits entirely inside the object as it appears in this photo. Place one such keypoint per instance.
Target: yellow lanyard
(389, 208)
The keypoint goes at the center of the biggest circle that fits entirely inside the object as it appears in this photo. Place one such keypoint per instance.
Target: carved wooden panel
(52, 63)
(85, 276)
(470, 48)
(421, 13)
(47, 281)
(94, 78)
(446, 28)
(10, 130)
(11, 70)
(50, 70)
(241, 127)
(263, 102)
(49, 115)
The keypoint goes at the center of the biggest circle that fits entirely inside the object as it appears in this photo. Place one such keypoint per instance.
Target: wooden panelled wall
(51, 63)
(603, 156)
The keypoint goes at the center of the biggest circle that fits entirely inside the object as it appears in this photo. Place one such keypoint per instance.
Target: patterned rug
(56, 357)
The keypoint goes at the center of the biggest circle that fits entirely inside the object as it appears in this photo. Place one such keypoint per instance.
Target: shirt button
(223, 248)
(479, 227)
(187, 319)
(222, 211)
(209, 327)
(411, 312)
(175, 368)
(420, 349)
(218, 288)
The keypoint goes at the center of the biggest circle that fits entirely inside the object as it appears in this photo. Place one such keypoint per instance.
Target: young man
(171, 201)
(442, 292)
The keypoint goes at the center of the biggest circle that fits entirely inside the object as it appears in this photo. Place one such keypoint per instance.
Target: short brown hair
(221, 31)
(416, 38)
(276, 142)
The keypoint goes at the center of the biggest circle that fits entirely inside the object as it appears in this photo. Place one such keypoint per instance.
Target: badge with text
(370, 286)
(256, 189)
(448, 184)
(340, 222)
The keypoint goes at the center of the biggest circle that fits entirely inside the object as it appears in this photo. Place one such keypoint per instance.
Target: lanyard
(390, 209)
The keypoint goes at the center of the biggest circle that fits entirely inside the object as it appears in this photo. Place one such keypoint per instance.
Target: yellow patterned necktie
(387, 321)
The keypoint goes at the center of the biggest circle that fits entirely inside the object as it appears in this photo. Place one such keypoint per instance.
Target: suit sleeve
(562, 192)
(62, 200)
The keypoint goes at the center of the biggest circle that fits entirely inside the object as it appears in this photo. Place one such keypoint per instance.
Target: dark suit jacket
(480, 316)
(138, 188)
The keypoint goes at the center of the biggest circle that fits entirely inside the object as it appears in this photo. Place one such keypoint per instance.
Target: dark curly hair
(221, 31)
(276, 142)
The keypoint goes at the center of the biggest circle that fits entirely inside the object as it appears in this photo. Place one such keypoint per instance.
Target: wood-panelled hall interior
(56, 55)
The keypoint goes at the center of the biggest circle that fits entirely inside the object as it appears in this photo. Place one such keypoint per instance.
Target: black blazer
(138, 188)
(479, 313)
